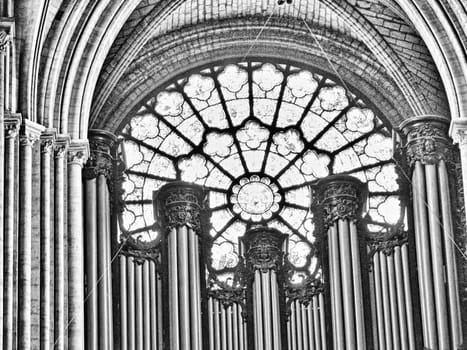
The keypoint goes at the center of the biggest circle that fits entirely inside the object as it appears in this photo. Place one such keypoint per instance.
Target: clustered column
(97, 174)
(264, 255)
(178, 208)
(341, 198)
(429, 152)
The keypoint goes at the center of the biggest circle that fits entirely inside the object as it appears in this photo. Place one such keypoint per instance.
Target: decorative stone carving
(30, 133)
(12, 125)
(78, 152)
(61, 145)
(427, 139)
(180, 204)
(140, 250)
(386, 242)
(228, 296)
(263, 249)
(340, 197)
(101, 159)
(304, 293)
(47, 141)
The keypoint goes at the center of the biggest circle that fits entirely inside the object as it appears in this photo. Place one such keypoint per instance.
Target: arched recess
(348, 22)
(165, 57)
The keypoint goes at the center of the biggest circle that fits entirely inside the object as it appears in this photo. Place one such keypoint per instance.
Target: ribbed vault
(87, 48)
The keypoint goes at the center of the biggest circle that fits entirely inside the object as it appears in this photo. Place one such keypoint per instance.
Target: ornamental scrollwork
(4, 41)
(180, 204)
(263, 249)
(427, 140)
(340, 199)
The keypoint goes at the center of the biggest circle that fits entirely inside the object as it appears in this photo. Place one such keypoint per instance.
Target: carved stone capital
(386, 242)
(179, 204)
(61, 145)
(30, 133)
(340, 197)
(48, 141)
(427, 139)
(140, 250)
(12, 124)
(78, 152)
(263, 247)
(102, 149)
(305, 293)
(228, 296)
(4, 41)
(458, 131)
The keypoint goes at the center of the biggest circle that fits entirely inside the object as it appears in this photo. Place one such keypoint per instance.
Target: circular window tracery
(257, 135)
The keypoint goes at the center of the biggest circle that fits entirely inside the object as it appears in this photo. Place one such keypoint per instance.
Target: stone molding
(427, 139)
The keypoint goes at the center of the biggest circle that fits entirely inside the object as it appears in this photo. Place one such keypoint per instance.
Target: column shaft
(76, 160)
(29, 136)
(47, 142)
(11, 132)
(60, 318)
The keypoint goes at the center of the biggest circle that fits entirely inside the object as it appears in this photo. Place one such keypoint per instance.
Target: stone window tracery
(258, 136)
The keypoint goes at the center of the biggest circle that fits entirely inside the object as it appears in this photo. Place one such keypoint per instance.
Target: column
(264, 256)
(77, 154)
(4, 41)
(97, 174)
(47, 144)
(341, 200)
(429, 153)
(59, 244)
(12, 125)
(178, 208)
(29, 134)
(390, 288)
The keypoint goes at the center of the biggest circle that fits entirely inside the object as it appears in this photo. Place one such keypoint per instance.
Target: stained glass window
(258, 136)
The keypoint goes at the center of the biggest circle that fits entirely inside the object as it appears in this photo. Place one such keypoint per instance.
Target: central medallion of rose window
(255, 197)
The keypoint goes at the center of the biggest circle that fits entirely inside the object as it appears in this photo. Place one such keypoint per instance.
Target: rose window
(257, 136)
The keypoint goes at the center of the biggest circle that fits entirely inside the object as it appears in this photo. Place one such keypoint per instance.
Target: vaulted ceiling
(93, 61)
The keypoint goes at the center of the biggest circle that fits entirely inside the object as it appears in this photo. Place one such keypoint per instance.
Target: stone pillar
(341, 200)
(47, 144)
(391, 292)
(4, 39)
(264, 254)
(30, 133)
(429, 151)
(97, 173)
(77, 155)
(60, 319)
(178, 208)
(12, 125)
